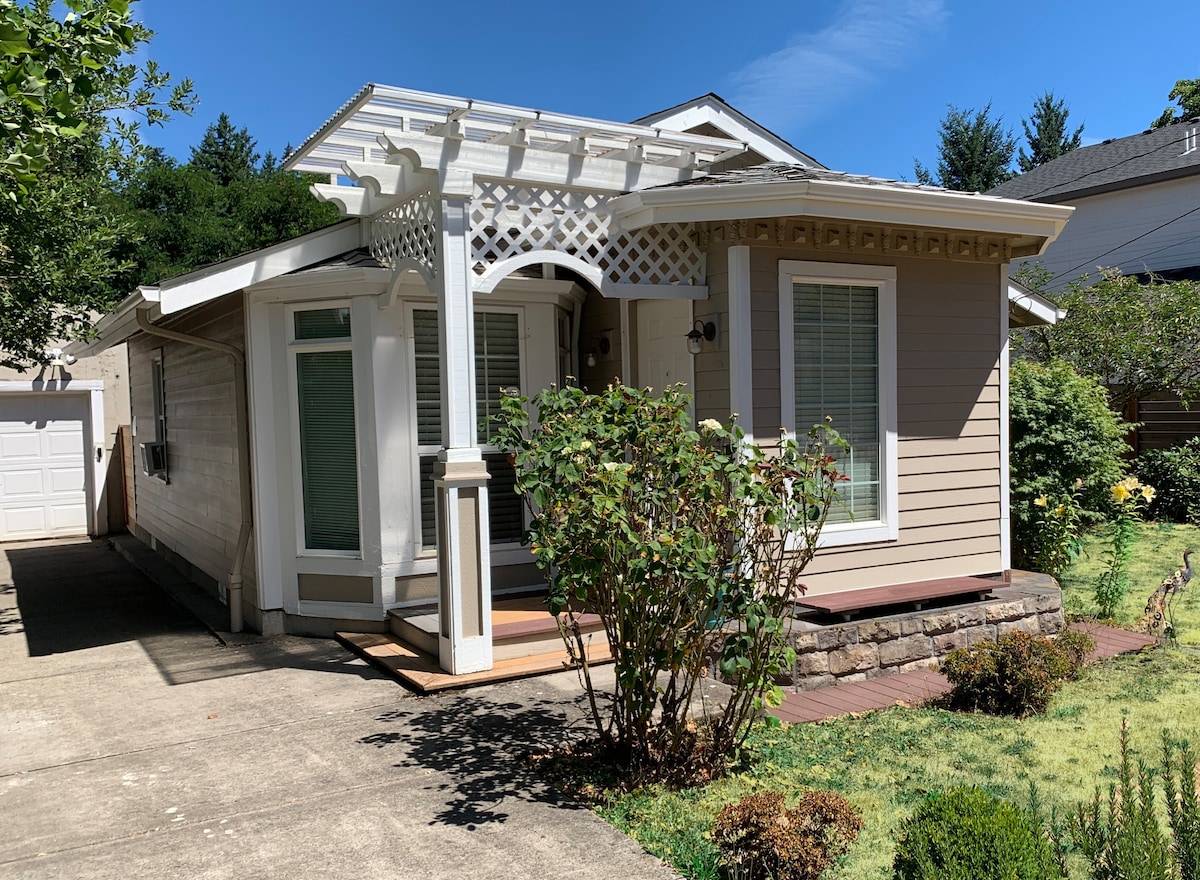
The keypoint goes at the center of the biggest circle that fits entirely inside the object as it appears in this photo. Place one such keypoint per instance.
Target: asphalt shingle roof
(777, 172)
(1158, 154)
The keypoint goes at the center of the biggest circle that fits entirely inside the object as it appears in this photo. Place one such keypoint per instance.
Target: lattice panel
(664, 254)
(508, 219)
(407, 230)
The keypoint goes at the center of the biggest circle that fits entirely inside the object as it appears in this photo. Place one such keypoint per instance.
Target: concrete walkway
(137, 743)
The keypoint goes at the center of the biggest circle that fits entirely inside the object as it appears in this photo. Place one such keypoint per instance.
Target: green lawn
(1158, 554)
(885, 762)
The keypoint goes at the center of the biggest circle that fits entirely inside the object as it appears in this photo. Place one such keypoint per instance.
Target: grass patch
(886, 762)
(1158, 553)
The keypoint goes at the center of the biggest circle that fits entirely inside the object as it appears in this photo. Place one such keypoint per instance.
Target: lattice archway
(510, 222)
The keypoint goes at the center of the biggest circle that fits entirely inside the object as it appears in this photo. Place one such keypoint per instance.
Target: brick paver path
(923, 685)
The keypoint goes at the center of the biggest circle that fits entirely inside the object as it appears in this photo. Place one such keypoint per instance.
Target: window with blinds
(836, 338)
(328, 445)
(497, 366)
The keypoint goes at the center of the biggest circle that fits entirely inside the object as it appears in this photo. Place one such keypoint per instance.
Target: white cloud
(819, 69)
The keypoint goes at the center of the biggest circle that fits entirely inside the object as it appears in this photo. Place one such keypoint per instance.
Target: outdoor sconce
(598, 345)
(701, 331)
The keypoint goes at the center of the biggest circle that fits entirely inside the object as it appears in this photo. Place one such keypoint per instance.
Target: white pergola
(466, 192)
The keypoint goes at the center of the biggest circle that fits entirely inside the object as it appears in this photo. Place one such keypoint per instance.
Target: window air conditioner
(154, 458)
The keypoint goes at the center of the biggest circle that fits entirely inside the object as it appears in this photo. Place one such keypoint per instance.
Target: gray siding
(194, 514)
(600, 317)
(712, 364)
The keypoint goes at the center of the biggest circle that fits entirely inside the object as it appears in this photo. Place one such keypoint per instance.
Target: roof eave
(1029, 309)
(843, 201)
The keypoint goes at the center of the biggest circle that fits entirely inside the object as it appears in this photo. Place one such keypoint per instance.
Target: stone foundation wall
(875, 646)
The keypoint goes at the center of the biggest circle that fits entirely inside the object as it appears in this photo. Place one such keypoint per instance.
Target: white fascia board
(343, 280)
(736, 125)
(1035, 310)
(224, 278)
(865, 203)
(118, 325)
(456, 161)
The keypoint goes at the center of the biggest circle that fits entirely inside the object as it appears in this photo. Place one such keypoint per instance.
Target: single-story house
(312, 418)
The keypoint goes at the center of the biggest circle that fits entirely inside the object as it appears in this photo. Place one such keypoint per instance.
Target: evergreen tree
(1187, 94)
(219, 204)
(975, 152)
(225, 152)
(1046, 133)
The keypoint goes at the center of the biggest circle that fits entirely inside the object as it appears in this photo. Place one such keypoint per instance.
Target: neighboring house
(60, 462)
(1137, 209)
(493, 247)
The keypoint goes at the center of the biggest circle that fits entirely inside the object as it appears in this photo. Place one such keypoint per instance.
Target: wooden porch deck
(522, 624)
(922, 685)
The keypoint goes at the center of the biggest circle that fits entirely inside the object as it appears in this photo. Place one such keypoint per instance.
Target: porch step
(521, 627)
(421, 671)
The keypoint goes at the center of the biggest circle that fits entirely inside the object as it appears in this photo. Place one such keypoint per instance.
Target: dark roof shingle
(1158, 154)
(775, 172)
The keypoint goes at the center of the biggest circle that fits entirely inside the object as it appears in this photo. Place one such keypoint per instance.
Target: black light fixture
(701, 331)
(598, 345)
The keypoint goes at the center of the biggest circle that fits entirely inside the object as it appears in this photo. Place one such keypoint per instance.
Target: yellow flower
(1060, 510)
(1148, 493)
(585, 445)
(1131, 483)
(1120, 493)
(1041, 501)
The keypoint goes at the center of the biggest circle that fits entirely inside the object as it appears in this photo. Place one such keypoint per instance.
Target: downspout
(243, 454)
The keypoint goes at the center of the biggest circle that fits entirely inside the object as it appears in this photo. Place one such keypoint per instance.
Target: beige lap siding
(195, 515)
(948, 407)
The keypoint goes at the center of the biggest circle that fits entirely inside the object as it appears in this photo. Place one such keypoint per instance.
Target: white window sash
(883, 279)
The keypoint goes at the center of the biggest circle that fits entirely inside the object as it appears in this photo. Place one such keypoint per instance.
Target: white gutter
(1031, 309)
(243, 453)
(842, 200)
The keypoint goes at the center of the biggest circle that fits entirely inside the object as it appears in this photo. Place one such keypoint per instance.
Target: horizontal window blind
(497, 366)
(836, 336)
(328, 455)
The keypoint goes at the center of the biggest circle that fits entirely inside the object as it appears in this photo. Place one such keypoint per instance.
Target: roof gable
(712, 110)
(1154, 155)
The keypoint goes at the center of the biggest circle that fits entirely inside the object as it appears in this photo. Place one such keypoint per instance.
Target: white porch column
(460, 477)
(741, 347)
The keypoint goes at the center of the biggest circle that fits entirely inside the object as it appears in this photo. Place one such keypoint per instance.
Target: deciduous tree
(1187, 95)
(71, 99)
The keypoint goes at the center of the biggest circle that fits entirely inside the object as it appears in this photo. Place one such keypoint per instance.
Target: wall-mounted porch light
(701, 331)
(598, 345)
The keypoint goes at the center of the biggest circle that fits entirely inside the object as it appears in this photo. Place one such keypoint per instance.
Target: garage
(43, 465)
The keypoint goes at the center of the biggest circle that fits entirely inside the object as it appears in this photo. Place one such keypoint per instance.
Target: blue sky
(859, 84)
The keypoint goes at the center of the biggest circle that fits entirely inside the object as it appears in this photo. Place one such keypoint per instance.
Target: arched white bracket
(407, 264)
(497, 272)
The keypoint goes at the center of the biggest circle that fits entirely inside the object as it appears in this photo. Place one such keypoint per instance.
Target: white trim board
(883, 278)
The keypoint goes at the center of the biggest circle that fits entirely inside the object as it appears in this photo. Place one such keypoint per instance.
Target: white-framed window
(837, 357)
(322, 374)
(154, 450)
(498, 364)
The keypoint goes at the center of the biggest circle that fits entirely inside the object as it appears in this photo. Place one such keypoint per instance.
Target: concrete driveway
(136, 743)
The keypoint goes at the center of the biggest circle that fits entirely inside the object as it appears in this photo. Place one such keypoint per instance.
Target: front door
(663, 357)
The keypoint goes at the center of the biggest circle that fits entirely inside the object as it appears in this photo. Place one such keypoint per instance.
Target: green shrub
(1175, 475)
(1120, 834)
(1061, 431)
(967, 834)
(671, 536)
(1016, 675)
(761, 839)
(1183, 805)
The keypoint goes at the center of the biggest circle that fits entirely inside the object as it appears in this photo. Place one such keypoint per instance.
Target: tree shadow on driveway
(481, 745)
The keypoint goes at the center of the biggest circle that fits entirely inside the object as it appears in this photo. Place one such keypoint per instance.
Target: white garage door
(42, 475)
